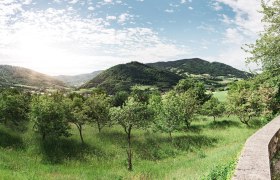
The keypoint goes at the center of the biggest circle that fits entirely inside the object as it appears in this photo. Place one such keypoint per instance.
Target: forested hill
(13, 75)
(198, 66)
(123, 76)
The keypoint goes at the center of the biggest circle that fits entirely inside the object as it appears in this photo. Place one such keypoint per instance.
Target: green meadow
(208, 149)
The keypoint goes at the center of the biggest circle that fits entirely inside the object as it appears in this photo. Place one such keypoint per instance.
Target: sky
(80, 36)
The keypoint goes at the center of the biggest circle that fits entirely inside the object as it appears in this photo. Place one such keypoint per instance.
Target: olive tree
(132, 115)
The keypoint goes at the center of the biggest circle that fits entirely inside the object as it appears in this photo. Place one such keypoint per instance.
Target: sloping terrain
(13, 75)
(198, 66)
(123, 76)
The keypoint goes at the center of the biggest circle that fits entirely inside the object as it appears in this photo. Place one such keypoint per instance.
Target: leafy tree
(143, 93)
(243, 101)
(173, 111)
(49, 117)
(14, 109)
(76, 112)
(213, 107)
(98, 106)
(195, 87)
(131, 115)
(266, 48)
(119, 98)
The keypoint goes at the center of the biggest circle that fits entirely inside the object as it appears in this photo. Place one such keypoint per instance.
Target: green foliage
(213, 107)
(243, 101)
(122, 77)
(14, 109)
(98, 106)
(133, 114)
(76, 112)
(254, 98)
(119, 98)
(198, 66)
(266, 48)
(174, 111)
(194, 87)
(49, 117)
(221, 172)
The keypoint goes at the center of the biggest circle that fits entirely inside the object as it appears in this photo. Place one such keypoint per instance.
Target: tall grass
(193, 154)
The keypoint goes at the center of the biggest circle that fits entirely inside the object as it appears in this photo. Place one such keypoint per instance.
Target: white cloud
(62, 42)
(190, 8)
(183, 1)
(111, 18)
(216, 6)
(242, 29)
(108, 1)
(91, 8)
(73, 1)
(169, 10)
(233, 36)
(248, 18)
(206, 27)
(124, 17)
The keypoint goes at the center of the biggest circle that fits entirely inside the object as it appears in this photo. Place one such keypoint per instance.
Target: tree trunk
(80, 132)
(129, 150)
(44, 136)
(170, 136)
(214, 118)
(99, 126)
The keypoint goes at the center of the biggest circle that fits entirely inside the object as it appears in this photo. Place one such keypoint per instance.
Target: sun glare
(41, 52)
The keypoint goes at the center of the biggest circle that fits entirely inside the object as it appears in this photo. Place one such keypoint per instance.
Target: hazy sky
(80, 36)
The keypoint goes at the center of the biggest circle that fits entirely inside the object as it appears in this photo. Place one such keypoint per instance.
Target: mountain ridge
(199, 66)
(15, 75)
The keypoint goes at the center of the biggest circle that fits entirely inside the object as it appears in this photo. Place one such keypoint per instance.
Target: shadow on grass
(115, 137)
(10, 140)
(56, 151)
(194, 128)
(223, 124)
(161, 148)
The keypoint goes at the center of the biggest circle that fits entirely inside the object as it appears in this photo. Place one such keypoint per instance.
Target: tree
(266, 49)
(173, 111)
(244, 101)
(48, 115)
(195, 87)
(14, 109)
(98, 106)
(131, 115)
(76, 112)
(119, 98)
(213, 107)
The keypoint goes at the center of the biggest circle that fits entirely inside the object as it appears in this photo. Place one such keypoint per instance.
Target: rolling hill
(198, 66)
(18, 76)
(77, 80)
(123, 76)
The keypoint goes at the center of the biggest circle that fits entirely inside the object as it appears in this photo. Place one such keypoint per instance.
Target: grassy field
(192, 154)
(221, 95)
